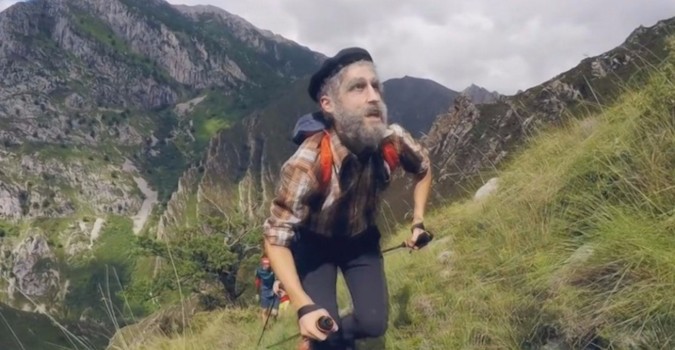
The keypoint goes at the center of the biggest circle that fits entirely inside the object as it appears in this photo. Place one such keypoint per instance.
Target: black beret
(333, 65)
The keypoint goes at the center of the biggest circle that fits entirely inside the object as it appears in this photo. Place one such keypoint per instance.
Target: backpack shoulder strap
(392, 146)
(320, 141)
(390, 155)
(325, 161)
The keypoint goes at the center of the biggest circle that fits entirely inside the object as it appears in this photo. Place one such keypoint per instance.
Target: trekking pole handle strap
(324, 323)
(304, 310)
(424, 238)
(417, 225)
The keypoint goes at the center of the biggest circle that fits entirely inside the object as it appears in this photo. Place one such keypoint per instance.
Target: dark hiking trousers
(360, 261)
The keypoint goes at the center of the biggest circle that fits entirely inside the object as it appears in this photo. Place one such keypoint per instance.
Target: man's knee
(372, 326)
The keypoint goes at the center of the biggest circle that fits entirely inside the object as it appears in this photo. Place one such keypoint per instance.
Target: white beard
(355, 133)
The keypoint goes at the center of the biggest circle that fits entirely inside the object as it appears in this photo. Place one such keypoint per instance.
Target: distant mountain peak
(430, 99)
(480, 95)
(194, 10)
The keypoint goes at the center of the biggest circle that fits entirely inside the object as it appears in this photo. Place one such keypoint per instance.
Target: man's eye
(358, 86)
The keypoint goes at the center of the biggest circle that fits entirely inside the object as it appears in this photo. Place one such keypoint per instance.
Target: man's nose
(373, 94)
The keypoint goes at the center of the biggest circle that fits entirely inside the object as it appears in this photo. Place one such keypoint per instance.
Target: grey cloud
(500, 45)
(6, 3)
(506, 46)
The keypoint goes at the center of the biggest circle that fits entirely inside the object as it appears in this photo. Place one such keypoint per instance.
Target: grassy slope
(577, 248)
(95, 281)
(28, 330)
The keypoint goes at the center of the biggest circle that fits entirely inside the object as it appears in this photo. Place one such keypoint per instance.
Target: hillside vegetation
(575, 250)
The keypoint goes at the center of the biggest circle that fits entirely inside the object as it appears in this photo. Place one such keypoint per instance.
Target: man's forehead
(359, 71)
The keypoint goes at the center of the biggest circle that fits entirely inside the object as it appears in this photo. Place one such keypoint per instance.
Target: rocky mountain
(109, 73)
(480, 95)
(471, 140)
(103, 105)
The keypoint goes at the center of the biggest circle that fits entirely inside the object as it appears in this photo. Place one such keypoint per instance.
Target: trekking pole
(269, 313)
(324, 324)
(422, 240)
(401, 245)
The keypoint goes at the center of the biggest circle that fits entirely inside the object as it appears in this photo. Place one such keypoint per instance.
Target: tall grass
(577, 248)
(68, 336)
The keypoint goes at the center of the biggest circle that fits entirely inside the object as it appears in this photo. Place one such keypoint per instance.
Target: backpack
(312, 123)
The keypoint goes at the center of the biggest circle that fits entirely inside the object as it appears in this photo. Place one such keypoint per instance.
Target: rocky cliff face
(480, 95)
(181, 209)
(250, 154)
(32, 272)
(471, 139)
(93, 73)
(103, 105)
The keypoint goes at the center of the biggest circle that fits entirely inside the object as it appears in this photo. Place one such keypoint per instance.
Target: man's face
(265, 265)
(359, 112)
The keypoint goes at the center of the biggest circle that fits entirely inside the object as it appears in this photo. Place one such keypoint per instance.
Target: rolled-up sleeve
(413, 155)
(289, 207)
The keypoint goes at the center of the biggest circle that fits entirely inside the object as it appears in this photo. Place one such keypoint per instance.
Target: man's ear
(327, 104)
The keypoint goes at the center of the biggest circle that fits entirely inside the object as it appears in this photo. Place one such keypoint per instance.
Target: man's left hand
(416, 232)
(420, 237)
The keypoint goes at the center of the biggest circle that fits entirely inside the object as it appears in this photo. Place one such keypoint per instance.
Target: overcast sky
(501, 45)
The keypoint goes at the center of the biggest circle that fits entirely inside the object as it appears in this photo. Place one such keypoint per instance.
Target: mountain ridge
(480, 95)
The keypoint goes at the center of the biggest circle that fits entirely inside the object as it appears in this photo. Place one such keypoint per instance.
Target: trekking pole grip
(325, 324)
(424, 239)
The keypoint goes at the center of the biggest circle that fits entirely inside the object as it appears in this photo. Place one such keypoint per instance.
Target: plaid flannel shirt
(299, 202)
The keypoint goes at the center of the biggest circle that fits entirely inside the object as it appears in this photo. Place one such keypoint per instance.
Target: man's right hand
(308, 325)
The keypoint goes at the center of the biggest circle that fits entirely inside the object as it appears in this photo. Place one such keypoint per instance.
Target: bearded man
(314, 229)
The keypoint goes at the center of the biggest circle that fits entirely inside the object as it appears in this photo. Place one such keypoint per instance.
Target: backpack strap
(325, 161)
(390, 155)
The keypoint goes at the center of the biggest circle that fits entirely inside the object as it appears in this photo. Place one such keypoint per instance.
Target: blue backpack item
(306, 126)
